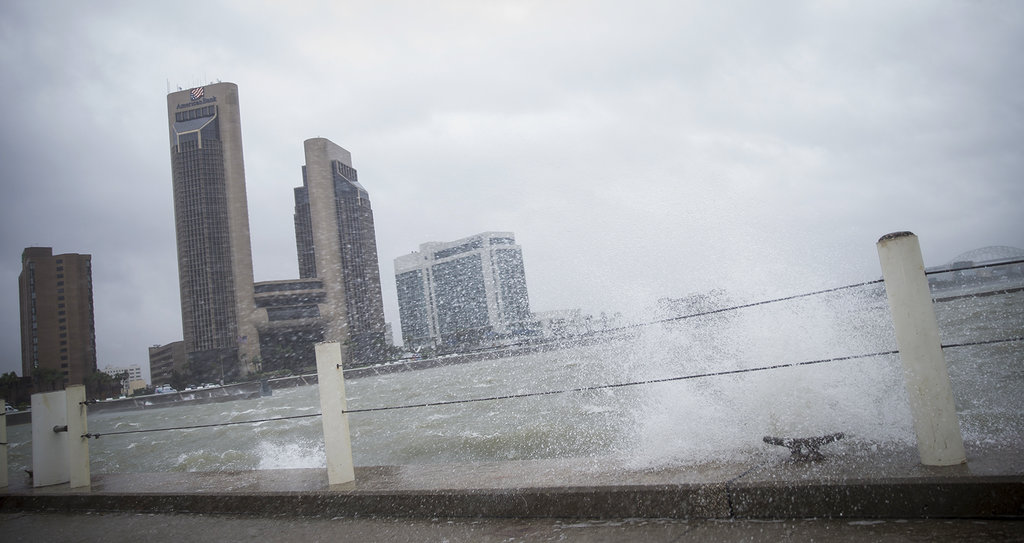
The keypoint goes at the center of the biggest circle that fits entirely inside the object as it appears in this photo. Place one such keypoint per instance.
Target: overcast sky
(636, 149)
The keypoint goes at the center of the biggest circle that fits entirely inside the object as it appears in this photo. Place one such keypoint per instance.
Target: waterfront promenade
(872, 485)
(174, 528)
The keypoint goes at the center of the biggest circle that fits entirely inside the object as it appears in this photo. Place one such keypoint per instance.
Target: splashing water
(675, 423)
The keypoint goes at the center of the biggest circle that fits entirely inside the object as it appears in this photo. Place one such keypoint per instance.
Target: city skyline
(664, 149)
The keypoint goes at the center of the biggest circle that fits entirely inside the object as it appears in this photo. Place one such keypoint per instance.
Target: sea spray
(675, 423)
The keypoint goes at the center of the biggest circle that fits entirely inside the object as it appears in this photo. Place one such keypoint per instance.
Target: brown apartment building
(58, 331)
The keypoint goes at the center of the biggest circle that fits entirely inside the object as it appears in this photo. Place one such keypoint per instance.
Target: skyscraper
(463, 292)
(337, 243)
(212, 227)
(58, 330)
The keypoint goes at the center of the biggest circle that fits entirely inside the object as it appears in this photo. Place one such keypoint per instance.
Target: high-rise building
(212, 227)
(463, 292)
(304, 231)
(58, 330)
(337, 244)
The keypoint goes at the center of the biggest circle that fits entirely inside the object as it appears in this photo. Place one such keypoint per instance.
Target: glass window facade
(512, 285)
(460, 295)
(412, 307)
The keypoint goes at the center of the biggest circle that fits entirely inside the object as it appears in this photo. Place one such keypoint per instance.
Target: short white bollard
(3, 444)
(939, 441)
(59, 452)
(337, 442)
(49, 460)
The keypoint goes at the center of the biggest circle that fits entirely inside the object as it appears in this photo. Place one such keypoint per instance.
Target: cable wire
(985, 342)
(562, 391)
(670, 379)
(98, 434)
(619, 385)
(753, 304)
(542, 343)
(650, 323)
(977, 267)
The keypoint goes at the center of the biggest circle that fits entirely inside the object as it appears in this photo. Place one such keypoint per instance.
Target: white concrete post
(49, 448)
(939, 442)
(3, 444)
(78, 446)
(59, 452)
(337, 443)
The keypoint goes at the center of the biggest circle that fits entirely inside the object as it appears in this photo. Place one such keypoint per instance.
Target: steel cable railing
(611, 331)
(216, 424)
(560, 391)
(632, 383)
(564, 390)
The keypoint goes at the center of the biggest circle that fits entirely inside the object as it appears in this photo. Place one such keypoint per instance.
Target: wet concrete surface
(156, 528)
(865, 485)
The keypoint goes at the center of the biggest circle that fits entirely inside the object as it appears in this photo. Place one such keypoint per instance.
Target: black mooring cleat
(804, 448)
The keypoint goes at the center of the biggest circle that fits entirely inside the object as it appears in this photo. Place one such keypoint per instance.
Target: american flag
(197, 92)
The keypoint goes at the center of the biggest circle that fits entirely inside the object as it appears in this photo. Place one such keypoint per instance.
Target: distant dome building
(990, 254)
(954, 274)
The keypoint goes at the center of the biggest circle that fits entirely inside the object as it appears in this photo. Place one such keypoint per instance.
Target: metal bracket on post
(78, 444)
(337, 442)
(60, 453)
(939, 441)
(3, 444)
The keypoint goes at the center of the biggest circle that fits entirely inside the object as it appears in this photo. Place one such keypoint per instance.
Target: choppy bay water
(680, 422)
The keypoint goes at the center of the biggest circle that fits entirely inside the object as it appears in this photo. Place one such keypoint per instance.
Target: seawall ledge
(564, 488)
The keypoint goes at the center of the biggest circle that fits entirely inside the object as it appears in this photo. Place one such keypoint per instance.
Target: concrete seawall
(226, 393)
(888, 485)
(252, 389)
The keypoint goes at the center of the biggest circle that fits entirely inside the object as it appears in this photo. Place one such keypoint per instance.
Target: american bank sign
(197, 96)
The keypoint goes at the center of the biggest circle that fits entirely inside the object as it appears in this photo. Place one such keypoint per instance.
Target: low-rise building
(166, 359)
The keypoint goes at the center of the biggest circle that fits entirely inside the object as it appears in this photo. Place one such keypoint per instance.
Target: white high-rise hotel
(462, 292)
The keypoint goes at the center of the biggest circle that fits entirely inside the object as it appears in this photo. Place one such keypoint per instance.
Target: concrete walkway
(866, 485)
(175, 528)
